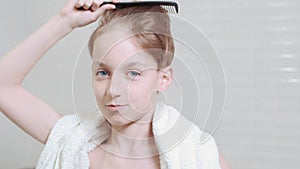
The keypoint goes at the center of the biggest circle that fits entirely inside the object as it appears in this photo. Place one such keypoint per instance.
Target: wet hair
(150, 27)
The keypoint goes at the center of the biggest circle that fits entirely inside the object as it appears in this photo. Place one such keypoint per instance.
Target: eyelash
(107, 74)
(102, 71)
(137, 74)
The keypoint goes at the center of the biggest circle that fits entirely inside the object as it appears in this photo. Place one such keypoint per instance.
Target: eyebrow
(136, 64)
(99, 64)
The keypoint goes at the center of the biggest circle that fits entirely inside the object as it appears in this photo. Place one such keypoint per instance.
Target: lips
(114, 107)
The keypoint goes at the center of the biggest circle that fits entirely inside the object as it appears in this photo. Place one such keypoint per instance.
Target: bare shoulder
(223, 163)
(96, 158)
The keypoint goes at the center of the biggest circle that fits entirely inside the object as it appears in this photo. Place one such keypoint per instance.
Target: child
(132, 50)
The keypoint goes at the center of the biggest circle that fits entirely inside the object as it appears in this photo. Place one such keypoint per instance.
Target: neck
(134, 140)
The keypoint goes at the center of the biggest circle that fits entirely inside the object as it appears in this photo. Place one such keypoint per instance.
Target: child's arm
(23, 108)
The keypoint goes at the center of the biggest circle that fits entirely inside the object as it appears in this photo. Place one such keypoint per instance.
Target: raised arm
(23, 108)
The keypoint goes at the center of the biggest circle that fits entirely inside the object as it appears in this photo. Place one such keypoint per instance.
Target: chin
(117, 119)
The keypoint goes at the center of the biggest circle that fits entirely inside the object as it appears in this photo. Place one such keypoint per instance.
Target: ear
(165, 78)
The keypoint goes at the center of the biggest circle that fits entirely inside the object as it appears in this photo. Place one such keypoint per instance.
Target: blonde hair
(150, 26)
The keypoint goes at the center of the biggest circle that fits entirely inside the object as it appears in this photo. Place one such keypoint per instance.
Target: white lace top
(180, 143)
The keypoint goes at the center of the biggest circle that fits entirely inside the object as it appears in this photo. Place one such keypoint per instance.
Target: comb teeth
(169, 6)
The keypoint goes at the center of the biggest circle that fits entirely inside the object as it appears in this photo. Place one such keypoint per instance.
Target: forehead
(117, 48)
(108, 40)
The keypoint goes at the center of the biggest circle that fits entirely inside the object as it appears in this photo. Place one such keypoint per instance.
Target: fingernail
(78, 5)
(85, 6)
(94, 8)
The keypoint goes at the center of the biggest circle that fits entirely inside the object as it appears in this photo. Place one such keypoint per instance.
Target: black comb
(170, 6)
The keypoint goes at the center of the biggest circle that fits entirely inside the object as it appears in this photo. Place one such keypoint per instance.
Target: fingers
(90, 4)
(79, 3)
(103, 8)
(92, 9)
(96, 4)
(87, 4)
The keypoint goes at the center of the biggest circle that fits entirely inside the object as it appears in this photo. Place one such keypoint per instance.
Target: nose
(114, 89)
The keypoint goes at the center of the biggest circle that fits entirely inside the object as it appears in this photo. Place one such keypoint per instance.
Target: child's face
(126, 79)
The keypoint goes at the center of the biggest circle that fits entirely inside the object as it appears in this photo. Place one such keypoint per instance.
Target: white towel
(180, 143)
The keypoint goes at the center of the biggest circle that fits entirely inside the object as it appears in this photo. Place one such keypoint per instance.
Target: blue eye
(102, 73)
(133, 74)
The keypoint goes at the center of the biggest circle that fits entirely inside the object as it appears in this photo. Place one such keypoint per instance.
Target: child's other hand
(91, 11)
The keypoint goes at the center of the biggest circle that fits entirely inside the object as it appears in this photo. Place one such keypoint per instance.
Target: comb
(170, 6)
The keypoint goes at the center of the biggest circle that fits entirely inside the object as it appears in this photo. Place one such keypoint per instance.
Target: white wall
(258, 44)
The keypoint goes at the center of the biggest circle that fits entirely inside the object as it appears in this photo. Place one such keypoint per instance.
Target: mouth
(114, 107)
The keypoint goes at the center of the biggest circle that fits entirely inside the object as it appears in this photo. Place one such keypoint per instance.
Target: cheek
(142, 95)
(99, 91)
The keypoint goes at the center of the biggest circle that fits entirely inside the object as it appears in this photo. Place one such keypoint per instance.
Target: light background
(258, 43)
